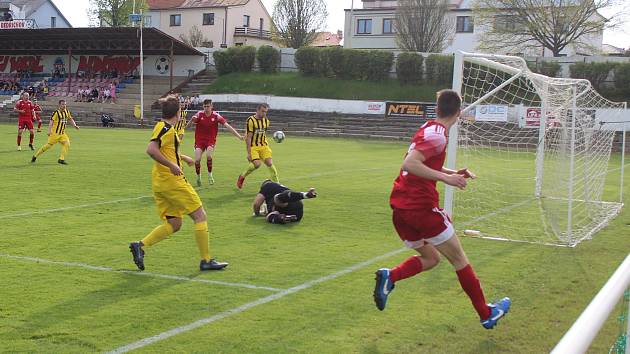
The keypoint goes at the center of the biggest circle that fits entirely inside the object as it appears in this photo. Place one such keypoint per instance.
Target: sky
(76, 12)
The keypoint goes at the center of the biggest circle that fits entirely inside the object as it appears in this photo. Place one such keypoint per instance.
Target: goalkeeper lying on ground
(280, 204)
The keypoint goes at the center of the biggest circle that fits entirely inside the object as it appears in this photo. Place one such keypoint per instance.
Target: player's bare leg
(201, 236)
(209, 156)
(30, 142)
(19, 139)
(489, 314)
(198, 154)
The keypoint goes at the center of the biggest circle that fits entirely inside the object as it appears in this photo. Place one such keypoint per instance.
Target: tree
(114, 13)
(195, 37)
(519, 25)
(298, 21)
(423, 25)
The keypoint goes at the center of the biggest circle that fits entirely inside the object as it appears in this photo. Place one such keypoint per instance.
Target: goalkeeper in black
(279, 204)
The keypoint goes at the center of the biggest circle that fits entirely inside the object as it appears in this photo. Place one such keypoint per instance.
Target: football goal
(541, 148)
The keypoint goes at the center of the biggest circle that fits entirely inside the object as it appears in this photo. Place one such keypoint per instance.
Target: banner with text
(410, 109)
(491, 113)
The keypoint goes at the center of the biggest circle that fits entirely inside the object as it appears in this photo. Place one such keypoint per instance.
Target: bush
(439, 69)
(547, 68)
(596, 73)
(268, 59)
(235, 59)
(337, 62)
(622, 77)
(305, 59)
(379, 63)
(409, 68)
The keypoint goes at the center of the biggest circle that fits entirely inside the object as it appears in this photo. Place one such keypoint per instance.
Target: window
(147, 21)
(464, 24)
(507, 23)
(388, 26)
(176, 20)
(364, 26)
(245, 21)
(208, 19)
(53, 22)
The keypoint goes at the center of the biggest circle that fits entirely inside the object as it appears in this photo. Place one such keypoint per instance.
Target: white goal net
(541, 148)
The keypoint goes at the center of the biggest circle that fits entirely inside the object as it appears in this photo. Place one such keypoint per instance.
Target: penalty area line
(194, 325)
(139, 273)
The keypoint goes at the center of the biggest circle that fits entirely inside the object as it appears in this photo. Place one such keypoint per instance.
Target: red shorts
(205, 144)
(420, 226)
(23, 123)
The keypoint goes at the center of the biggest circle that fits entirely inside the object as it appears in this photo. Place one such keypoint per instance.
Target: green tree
(114, 13)
(297, 21)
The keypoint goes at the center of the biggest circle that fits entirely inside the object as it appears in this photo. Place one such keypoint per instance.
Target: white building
(374, 27)
(31, 14)
(223, 23)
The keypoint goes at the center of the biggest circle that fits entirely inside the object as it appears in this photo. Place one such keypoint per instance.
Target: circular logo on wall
(161, 65)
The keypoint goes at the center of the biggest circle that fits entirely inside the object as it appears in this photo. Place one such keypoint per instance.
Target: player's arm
(233, 131)
(18, 110)
(258, 202)
(153, 150)
(74, 123)
(189, 161)
(50, 125)
(191, 121)
(414, 164)
(462, 171)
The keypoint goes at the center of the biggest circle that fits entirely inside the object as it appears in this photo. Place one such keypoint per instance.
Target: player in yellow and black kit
(180, 126)
(174, 196)
(257, 146)
(57, 132)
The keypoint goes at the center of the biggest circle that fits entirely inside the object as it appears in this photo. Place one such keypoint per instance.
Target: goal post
(540, 148)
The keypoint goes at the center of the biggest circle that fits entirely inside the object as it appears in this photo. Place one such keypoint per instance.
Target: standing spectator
(112, 92)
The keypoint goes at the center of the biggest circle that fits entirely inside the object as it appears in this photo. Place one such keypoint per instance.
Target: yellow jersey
(161, 176)
(180, 127)
(60, 119)
(258, 128)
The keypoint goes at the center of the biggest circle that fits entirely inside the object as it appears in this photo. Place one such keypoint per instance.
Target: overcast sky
(76, 12)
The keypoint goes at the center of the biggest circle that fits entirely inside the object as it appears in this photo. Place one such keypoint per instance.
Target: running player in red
(207, 126)
(420, 222)
(37, 116)
(24, 107)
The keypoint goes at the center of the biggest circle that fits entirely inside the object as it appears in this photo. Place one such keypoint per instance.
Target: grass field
(296, 85)
(69, 285)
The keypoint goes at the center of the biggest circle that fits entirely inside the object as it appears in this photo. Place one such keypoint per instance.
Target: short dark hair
(261, 105)
(170, 106)
(449, 103)
(207, 101)
(62, 101)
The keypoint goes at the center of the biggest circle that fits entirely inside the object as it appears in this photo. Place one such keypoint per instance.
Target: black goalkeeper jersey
(270, 189)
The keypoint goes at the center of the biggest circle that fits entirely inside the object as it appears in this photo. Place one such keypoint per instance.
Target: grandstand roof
(90, 41)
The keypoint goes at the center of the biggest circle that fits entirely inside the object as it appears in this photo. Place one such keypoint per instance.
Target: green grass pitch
(68, 283)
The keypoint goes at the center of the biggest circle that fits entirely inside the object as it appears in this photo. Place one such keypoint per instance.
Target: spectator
(107, 120)
(106, 95)
(112, 92)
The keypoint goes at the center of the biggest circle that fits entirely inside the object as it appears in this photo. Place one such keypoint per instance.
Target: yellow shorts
(261, 152)
(177, 202)
(58, 138)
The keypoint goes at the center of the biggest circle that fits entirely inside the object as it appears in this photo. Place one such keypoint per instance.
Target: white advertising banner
(491, 113)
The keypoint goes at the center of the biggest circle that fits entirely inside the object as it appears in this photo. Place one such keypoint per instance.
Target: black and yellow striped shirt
(60, 119)
(258, 128)
(180, 126)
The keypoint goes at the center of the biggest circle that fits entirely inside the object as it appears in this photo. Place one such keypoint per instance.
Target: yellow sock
(64, 151)
(250, 168)
(42, 149)
(201, 236)
(158, 234)
(274, 173)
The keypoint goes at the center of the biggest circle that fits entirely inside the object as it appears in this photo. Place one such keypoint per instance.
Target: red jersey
(207, 126)
(38, 111)
(413, 192)
(26, 106)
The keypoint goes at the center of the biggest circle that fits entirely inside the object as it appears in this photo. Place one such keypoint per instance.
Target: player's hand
(466, 173)
(456, 180)
(241, 138)
(176, 170)
(311, 193)
(77, 127)
(48, 133)
(189, 161)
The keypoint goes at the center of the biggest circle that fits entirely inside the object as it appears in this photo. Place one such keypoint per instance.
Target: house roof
(30, 6)
(327, 39)
(189, 4)
(90, 41)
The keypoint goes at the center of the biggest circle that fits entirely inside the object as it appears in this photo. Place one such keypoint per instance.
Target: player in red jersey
(206, 129)
(24, 107)
(420, 222)
(37, 110)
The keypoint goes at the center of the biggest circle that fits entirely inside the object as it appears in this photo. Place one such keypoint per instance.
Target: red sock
(197, 167)
(30, 139)
(209, 164)
(470, 283)
(410, 267)
(39, 124)
(19, 140)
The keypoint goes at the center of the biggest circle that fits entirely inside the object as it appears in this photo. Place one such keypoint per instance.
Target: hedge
(342, 63)
(439, 69)
(596, 73)
(547, 68)
(235, 59)
(409, 68)
(268, 59)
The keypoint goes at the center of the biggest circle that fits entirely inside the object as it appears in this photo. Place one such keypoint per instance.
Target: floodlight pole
(141, 71)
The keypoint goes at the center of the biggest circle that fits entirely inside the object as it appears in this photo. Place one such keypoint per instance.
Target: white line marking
(146, 274)
(189, 327)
